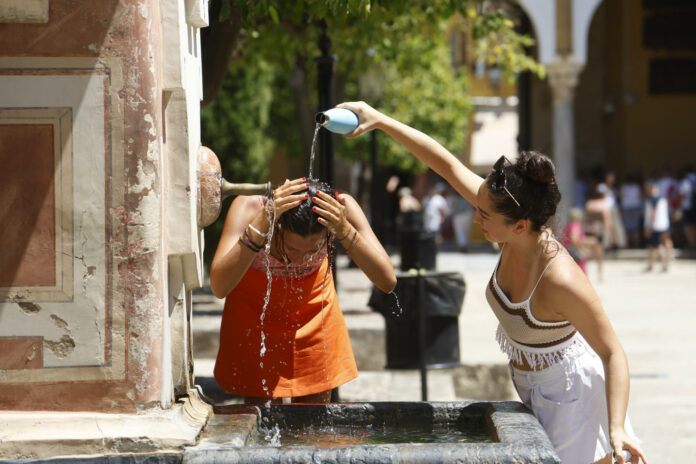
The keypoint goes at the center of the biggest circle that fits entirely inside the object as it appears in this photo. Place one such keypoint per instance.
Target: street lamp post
(371, 85)
(325, 63)
(327, 167)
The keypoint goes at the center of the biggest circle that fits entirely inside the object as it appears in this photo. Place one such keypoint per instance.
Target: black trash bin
(441, 302)
(418, 249)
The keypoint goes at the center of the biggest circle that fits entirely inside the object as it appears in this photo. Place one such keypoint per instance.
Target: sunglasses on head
(499, 183)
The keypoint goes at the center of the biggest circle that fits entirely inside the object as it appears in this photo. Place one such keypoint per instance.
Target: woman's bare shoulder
(243, 209)
(253, 203)
(563, 274)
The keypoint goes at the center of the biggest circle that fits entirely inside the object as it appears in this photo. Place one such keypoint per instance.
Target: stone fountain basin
(516, 435)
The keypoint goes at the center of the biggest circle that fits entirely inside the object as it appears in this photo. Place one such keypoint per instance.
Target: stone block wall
(96, 201)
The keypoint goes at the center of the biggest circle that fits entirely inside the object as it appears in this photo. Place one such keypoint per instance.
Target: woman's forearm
(226, 272)
(617, 389)
(373, 262)
(434, 155)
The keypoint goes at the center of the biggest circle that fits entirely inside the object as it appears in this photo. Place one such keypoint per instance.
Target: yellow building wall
(619, 123)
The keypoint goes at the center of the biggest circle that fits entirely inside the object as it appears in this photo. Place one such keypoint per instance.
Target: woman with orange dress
(283, 334)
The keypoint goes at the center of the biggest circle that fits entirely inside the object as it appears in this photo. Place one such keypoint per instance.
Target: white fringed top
(521, 334)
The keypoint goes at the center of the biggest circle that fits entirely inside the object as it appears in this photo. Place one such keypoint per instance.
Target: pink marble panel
(27, 212)
(21, 353)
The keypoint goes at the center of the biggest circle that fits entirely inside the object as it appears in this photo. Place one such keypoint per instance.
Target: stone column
(563, 78)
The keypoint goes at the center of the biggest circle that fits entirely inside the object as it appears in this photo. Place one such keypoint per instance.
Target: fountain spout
(229, 189)
(213, 188)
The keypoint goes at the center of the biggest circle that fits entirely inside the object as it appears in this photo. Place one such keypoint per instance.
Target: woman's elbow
(216, 286)
(389, 284)
(217, 292)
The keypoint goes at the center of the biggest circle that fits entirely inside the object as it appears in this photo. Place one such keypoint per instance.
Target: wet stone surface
(510, 433)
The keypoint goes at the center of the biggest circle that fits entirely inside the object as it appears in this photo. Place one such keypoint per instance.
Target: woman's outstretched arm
(423, 147)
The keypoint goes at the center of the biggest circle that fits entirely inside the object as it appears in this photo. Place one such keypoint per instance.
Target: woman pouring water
(567, 363)
(282, 333)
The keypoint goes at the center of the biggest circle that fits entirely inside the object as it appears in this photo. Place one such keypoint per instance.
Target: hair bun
(536, 167)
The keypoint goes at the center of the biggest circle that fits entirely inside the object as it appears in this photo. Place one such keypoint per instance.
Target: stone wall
(91, 318)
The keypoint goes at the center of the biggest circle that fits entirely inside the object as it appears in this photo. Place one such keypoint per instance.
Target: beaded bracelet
(249, 246)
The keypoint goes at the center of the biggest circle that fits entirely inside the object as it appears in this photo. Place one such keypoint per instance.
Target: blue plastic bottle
(338, 120)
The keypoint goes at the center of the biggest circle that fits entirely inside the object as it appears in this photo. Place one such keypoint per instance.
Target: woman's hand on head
(288, 195)
(368, 117)
(332, 213)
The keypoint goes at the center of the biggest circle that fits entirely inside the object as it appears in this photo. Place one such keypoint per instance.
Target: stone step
(462, 383)
(399, 385)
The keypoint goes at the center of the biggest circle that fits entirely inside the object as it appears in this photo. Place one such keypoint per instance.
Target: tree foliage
(236, 122)
(260, 75)
(268, 100)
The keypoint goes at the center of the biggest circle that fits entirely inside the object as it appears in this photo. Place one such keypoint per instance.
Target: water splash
(270, 214)
(398, 306)
(314, 145)
(273, 436)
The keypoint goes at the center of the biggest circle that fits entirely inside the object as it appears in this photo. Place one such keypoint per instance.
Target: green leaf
(274, 14)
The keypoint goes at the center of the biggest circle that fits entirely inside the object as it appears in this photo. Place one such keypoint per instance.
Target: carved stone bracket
(563, 78)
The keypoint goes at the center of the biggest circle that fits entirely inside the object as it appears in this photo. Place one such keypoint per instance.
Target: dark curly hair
(526, 189)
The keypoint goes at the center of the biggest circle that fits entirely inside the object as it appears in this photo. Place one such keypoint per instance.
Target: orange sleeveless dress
(299, 347)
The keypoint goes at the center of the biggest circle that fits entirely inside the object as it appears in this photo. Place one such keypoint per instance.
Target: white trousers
(569, 400)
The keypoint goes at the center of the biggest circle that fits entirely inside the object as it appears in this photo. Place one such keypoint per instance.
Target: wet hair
(531, 181)
(301, 220)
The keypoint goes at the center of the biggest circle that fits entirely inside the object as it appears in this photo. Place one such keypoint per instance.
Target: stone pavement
(651, 313)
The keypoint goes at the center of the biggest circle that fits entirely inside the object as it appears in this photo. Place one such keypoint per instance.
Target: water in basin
(362, 424)
(348, 435)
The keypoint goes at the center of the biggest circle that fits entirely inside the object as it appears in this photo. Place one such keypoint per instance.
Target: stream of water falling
(314, 146)
(311, 176)
(270, 214)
